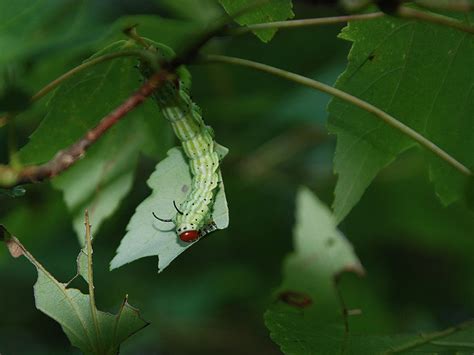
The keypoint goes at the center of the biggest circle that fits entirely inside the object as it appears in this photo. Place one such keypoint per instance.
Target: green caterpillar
(193, 219)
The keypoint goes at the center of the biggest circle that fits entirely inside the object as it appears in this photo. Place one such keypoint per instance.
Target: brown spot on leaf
(13, 246)
(14, 249)
(330, 242)
(185, 188)
(295, 299)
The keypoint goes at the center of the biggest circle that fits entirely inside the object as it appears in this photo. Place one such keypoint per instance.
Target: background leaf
(419, 73)
(146, 236)
(72, 309)
(321, 254)
(274, 10)
(101, 180)
(74, 108)
(455, 339)
(214, 297)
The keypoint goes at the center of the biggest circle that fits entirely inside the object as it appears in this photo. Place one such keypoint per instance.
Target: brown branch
(10, 177)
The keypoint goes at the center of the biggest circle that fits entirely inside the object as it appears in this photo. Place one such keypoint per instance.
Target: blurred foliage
(308, 314)
(417, 253)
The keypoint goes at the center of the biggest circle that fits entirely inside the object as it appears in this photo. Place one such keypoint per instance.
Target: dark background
(418, 254)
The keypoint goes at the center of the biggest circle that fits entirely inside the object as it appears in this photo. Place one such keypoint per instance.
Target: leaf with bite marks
(307, 313)
(421, 74)
(147, 236)
(92, 331)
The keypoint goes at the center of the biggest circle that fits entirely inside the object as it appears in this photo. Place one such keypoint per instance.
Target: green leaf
(32, 30)
(90, 330)
(454, 339)
(307, 316)
(419, 73)
(146, 236)
(275, 10)
(101, 180)
(17, 24)
(80, 103)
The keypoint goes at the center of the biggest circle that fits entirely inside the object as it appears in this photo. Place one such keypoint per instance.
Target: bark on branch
(10, 177)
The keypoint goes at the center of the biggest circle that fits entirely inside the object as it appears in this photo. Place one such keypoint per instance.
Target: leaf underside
(102, 179)
(421, 74)
(147, 236)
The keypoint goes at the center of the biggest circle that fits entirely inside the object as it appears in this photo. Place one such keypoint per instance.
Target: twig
(403, 12)
(382, 115)
(461, 6)
(10, 177)
(428, 338)
(303, 23)
(411, 13)
(144, 55)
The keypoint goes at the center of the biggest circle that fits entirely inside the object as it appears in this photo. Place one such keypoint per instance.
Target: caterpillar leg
(161, 219)
(176, 207)
(208, 228)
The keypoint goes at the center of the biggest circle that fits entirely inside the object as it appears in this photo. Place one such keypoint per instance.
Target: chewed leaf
(92, 331)
(307, 314)
(101, 180)
(146, 236)
(419, 73)
(275, 10)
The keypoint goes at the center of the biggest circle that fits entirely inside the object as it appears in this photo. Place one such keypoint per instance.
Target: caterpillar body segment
(199, 146)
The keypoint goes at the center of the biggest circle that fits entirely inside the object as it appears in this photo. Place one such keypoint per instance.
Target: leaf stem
(461, 6)
(403, 12)
(425, 16)
(10, 177)
(90, 279)
(303, 22)
(428, 338)
(145, 55)
(382, 115)
(14, 244)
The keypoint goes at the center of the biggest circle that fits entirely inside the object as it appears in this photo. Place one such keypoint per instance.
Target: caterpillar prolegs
(193, 218)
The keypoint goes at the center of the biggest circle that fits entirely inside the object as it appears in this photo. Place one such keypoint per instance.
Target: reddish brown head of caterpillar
(295, 299)
(189, 236)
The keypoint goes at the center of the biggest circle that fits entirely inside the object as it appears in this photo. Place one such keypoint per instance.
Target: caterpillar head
(189, 236)
(188, 232)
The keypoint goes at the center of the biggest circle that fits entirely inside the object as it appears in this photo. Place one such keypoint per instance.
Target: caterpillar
(193, 218)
